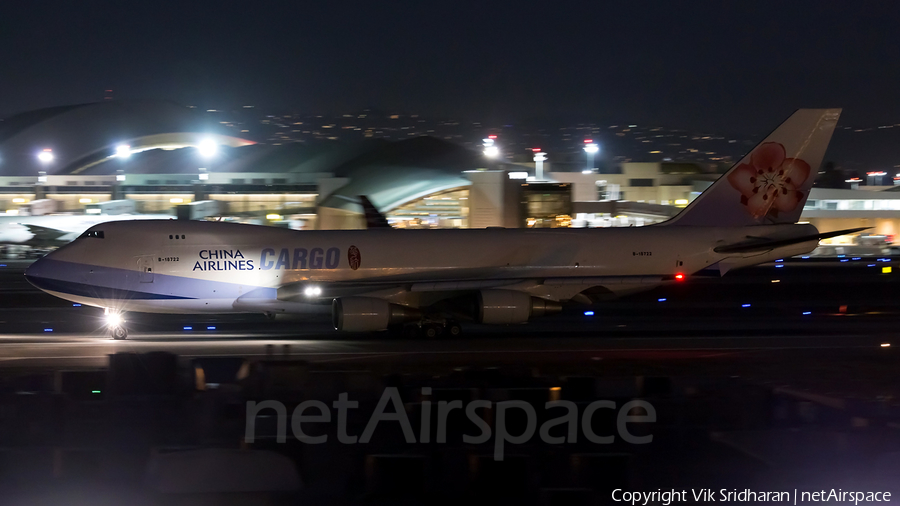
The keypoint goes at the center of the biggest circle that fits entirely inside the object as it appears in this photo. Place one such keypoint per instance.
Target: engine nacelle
(508, 306)
(364, 314)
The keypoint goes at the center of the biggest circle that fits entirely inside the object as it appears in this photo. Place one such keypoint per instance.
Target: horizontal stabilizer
(761, 244)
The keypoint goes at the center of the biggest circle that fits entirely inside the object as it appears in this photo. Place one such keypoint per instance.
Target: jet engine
(364, 314)
(508, 306)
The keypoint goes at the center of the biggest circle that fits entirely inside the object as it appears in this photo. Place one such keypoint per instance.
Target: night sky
(737, 67)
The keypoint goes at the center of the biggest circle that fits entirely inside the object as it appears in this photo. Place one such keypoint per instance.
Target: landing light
(113, 319)
(312, 291)
(123, 151)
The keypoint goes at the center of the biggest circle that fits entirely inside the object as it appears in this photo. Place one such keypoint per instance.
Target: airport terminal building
(166, 158)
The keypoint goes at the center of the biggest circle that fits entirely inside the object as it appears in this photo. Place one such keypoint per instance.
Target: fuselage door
(146, 265)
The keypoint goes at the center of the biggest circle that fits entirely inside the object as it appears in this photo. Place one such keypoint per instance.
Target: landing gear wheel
(431, 331)
(118, 332)
(454, 329)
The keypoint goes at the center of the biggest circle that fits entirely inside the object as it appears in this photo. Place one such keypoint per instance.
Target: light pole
(591, 149)
(46, 156)
(539, 158)
(490, 149)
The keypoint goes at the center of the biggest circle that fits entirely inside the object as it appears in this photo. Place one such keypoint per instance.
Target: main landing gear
(434, 327)
(115, 324)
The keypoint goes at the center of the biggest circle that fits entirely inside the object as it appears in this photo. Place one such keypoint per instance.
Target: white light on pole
(491, 152)
(208, 148)
(539, 158)
(591, 149)
(46, 156)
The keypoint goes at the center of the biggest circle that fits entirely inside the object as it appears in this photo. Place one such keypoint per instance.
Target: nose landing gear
(116, 325)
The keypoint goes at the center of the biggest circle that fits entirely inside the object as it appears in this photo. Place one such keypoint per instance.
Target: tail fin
(374, 218)
(771, 183)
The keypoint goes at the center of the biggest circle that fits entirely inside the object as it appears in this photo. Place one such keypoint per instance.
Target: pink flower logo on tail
(770, 183)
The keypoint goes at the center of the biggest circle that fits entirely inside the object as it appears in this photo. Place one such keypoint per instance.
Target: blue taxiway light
(779, 266)
(871, 265)
(2, 265)
(588, 313)
(807, 312)
(48, 330)
(841, 256)
(660, 300)
(210, 328)
(745, 305)
(845, 260)
(780, 260)
(76, 305)
(189, 328)
(856, 258)
(804, 257)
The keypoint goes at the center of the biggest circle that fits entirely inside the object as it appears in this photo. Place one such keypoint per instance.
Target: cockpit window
(93, 233)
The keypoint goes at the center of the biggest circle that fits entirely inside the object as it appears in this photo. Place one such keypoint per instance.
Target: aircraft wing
(44, 235)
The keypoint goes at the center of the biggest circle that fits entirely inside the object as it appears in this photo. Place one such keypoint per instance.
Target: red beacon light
(535, 150)
(492, 136)
(679, 276)
(588, 141)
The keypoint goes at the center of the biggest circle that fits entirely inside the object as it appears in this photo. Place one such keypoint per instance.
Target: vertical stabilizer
(771, 183)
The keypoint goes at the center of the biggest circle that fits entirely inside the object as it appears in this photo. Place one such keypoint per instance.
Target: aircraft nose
(41, 271)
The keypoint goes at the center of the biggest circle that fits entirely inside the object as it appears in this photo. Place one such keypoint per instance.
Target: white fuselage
(142, 266)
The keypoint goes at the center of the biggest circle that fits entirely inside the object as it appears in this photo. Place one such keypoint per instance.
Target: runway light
(123, 151)
(588, 313)
(188, 328)
(660, 300)
(885, 270)
(210, 328)
(776, 281)
(885, 345)
(95, 391)
(807, 312)
(745, 305)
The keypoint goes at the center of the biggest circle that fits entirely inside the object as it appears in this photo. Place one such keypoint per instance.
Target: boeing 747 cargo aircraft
(378, 278)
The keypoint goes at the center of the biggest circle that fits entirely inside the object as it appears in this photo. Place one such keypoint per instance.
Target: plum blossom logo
(770, 183)
(354, 257)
